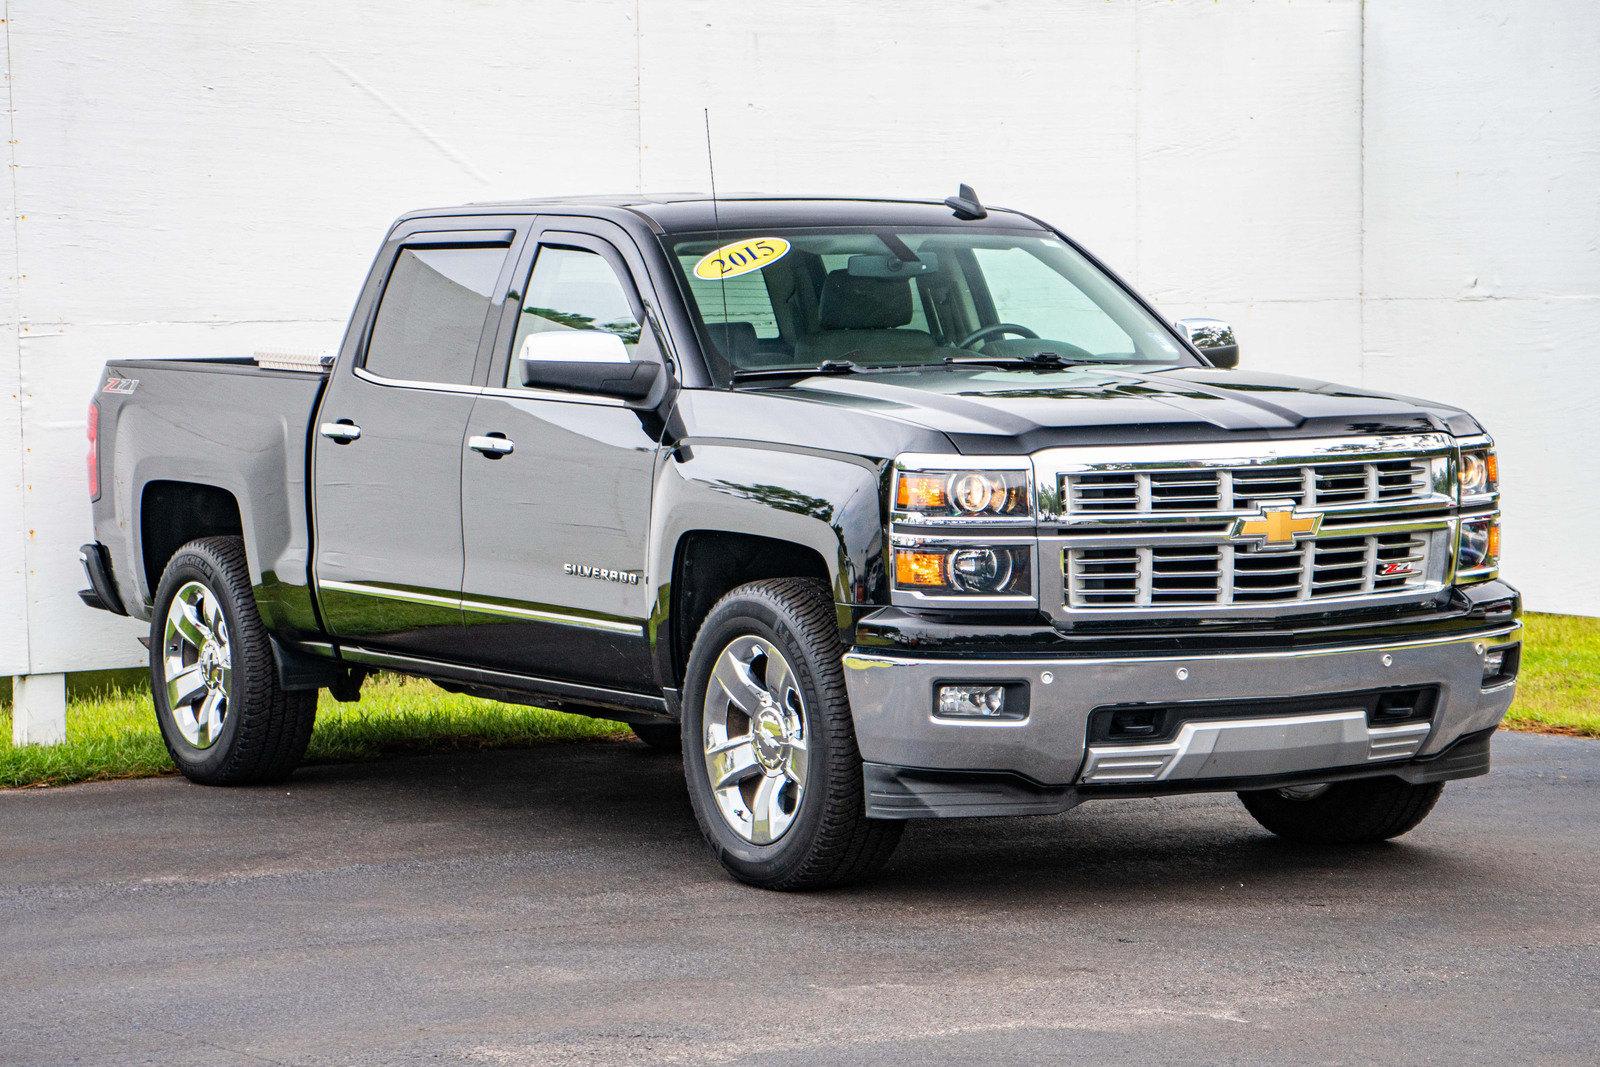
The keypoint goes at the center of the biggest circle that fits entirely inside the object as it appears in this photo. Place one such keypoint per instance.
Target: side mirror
(584, 361)
(1214, 338)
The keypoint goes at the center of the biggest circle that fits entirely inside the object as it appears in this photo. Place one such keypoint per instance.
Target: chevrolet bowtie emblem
(1276, 527)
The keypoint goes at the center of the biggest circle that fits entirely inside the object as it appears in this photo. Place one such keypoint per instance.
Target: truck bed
(226, 423)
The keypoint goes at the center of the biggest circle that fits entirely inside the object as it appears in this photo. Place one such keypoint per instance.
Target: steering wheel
(984, 333)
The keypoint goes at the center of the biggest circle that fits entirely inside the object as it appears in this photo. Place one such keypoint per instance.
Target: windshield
(796, 299)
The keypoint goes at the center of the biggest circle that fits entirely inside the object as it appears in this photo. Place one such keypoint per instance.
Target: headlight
(1478, 548)
(963, 494)
(957, 570)
(1479, 472)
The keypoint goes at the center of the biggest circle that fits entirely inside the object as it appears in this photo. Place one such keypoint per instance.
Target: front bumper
(1049, 750)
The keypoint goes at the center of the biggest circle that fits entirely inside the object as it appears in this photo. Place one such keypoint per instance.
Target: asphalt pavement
(556, 906)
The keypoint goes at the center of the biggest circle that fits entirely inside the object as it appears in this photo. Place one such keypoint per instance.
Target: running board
(510, 688)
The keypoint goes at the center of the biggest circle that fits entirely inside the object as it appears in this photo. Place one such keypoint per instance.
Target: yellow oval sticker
(740, 257)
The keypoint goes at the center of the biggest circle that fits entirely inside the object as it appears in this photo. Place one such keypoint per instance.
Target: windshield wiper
(827, 366)
(1035, 361)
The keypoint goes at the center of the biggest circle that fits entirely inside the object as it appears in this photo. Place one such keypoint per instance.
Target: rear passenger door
(387, 462)
(556, 515)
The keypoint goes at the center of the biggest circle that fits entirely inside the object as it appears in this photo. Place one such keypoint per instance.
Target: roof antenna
(964, 204)
(716, 220)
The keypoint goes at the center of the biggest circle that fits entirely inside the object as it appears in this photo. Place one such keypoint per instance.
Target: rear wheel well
(709, 564)
(171, 514)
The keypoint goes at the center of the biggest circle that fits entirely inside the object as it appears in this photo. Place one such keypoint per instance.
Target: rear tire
(789, 811)
(223, 715)
(1344, 813)
(668, 737)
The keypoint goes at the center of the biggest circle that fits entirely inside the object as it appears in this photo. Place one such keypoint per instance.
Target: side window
(574, 289)
(430, 319)
(1028, 292)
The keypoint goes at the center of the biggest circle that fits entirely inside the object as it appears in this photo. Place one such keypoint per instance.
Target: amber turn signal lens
(918, 568)
(1494, 471)
(920, 491)
(1494, 533)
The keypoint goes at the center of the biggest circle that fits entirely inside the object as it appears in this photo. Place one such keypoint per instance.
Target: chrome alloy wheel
(198, 664)
(755, 739)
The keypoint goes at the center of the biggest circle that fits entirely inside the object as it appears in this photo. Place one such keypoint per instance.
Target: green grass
(111, 727)
(111, 733)
(1558, 688)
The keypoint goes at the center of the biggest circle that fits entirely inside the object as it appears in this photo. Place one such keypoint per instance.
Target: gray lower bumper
(893, 700)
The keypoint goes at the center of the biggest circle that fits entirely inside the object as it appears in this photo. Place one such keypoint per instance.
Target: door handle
(344, 431)
(491, 446)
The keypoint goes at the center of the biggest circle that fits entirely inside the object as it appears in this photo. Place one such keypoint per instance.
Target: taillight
(94, 450)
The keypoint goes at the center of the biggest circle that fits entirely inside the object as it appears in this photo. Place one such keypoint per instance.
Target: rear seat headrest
(850, 302)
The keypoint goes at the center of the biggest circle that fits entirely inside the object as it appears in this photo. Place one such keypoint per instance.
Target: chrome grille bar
(1150, 529)
(1095, 494)
(1224, 575)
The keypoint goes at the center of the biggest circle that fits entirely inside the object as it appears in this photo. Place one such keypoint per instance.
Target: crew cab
(873, 509)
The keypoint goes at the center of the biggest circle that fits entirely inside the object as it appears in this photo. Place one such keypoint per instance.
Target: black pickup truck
(875, 509)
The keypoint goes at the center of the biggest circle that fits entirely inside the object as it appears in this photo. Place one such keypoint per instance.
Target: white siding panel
(240, 161)
(1483, 148)
(1249, 172)
(1515, 365)
(13, 540)
(1482, 253)
(1030, 102)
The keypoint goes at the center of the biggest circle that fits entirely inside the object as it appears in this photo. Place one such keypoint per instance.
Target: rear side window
(432, 314)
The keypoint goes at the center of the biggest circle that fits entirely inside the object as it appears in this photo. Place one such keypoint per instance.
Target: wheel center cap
(768, 734)
(211, 666)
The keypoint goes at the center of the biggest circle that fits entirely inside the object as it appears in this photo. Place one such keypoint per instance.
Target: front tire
(769, 746)
(223, 715)
(1362, 812)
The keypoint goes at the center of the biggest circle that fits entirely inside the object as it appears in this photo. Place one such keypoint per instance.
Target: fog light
(972, 701)
(1494, 663)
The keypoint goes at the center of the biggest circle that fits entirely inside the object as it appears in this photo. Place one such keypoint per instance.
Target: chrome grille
(1092, 494)
(1206, 575)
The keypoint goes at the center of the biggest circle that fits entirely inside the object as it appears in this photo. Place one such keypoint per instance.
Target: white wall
(1482, 234)
(1403, 196)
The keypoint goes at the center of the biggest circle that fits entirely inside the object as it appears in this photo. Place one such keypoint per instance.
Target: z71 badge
(120, 385)
(583, 570)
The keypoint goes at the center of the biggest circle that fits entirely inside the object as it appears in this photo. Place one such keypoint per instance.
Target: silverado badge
(584, 570)
(1276, 527)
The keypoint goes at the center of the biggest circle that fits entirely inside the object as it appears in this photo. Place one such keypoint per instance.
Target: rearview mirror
(1214, 338)
(584, 361)
(891, 266)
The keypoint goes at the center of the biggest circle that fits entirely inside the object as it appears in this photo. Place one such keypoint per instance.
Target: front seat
(859, 320)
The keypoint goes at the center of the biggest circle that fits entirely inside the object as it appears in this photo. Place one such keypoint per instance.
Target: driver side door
(556, 511)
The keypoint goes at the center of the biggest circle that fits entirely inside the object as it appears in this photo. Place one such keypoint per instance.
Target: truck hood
(987, 410)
